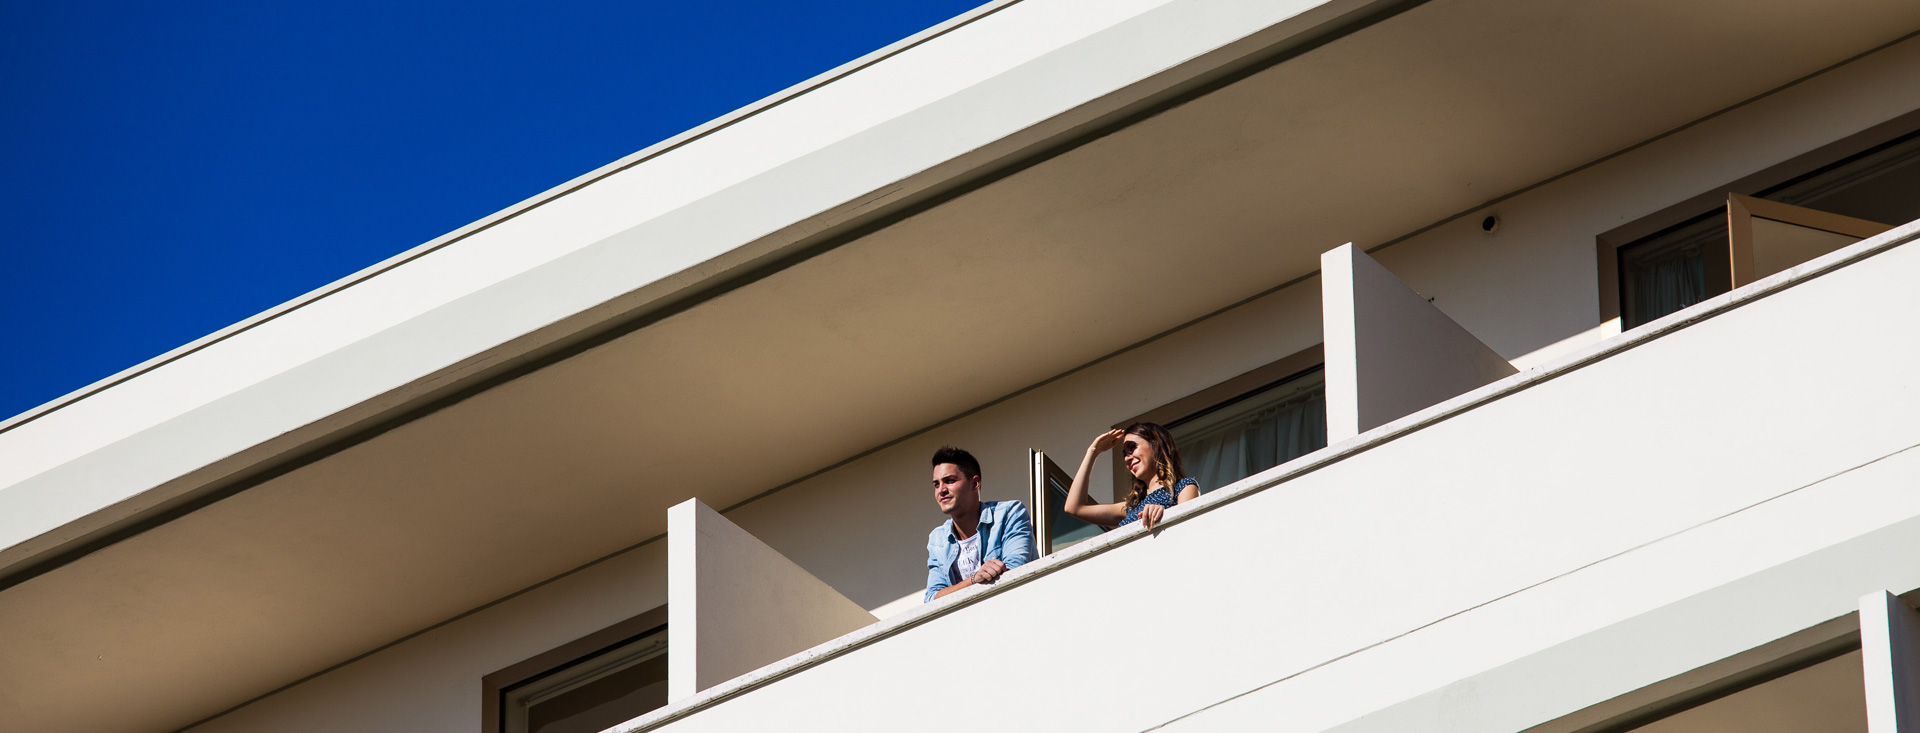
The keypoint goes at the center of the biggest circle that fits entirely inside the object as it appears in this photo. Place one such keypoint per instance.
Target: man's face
(955, 492)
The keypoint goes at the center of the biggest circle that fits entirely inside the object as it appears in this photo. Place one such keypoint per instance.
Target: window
(1247, 424)
(1799, 210)
(1252, 433)
(1766, 237)
(1053, 528)
(1668, 272)
(1225, 433)
(587, 686)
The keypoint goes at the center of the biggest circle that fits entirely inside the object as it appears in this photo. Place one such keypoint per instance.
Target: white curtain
(1257, 441)
(1668, 274)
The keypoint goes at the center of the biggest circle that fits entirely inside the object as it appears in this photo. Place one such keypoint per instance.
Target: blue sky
(168, 169)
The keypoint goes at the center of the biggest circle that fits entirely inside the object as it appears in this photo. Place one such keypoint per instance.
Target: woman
(1159, 481)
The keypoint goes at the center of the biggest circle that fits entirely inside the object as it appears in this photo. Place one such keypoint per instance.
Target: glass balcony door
(1053, 528)
(1752, 237)
(1767, 237)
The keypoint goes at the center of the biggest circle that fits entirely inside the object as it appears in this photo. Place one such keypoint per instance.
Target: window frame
(1254, 380)
(1720, 268)
(1742, 210)
(574, 652)
(1041, 470)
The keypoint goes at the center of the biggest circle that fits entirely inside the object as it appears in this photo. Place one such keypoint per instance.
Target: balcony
(1705, 497)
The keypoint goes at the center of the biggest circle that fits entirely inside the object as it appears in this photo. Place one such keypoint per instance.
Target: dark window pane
(1667, 272)
(1254, 432)
(593, 694)
(1065, 528)
(603, 703)
(1882, 184)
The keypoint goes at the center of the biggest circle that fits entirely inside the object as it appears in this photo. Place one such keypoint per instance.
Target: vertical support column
(1890, 652)
(1389, 352)
(735, 605)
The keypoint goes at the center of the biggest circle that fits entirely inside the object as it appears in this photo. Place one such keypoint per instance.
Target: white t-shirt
(968, 562)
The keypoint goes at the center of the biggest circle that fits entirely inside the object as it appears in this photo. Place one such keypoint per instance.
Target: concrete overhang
(770, 295)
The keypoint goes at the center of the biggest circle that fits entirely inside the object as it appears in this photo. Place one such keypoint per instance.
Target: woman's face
(1137, 455)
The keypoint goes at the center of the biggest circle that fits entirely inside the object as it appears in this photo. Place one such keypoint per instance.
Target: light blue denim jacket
(1005, 535)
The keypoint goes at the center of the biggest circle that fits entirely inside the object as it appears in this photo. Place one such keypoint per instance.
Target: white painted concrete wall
(638, 235)
(1469, 543)
(735, 605)
(879, 512)
(1389, 352)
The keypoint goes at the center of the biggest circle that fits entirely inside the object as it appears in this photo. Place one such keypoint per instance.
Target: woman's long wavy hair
(1167, 466)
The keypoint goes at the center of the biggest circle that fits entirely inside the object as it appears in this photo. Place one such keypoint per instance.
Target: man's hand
(1150, 515)
(989, 571)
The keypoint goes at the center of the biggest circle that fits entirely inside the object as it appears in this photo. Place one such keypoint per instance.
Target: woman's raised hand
(1106, 441)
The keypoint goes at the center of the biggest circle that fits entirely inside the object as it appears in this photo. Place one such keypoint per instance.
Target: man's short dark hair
(958, 457)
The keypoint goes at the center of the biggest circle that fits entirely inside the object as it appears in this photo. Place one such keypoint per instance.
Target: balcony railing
(1463, 525)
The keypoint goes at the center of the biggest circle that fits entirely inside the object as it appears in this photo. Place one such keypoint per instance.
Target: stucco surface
(1390, 353)
(1496, 507)
(1542, 256)
(734, 604)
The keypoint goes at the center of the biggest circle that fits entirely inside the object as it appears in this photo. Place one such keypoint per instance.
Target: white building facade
(1548, 367)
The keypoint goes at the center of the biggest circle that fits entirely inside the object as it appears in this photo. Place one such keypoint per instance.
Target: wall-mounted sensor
(1489, 224)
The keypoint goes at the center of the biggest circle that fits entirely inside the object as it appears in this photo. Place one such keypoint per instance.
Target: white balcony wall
(861, 525)
(1390, 353)
(735, 605)
(1775, 403)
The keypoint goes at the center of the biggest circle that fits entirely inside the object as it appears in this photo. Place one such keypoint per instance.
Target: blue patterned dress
(1160, 496)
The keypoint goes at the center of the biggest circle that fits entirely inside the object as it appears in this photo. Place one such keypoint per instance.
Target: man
(979, 541)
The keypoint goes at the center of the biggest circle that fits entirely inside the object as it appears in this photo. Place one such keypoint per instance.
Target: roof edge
(578, 182)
